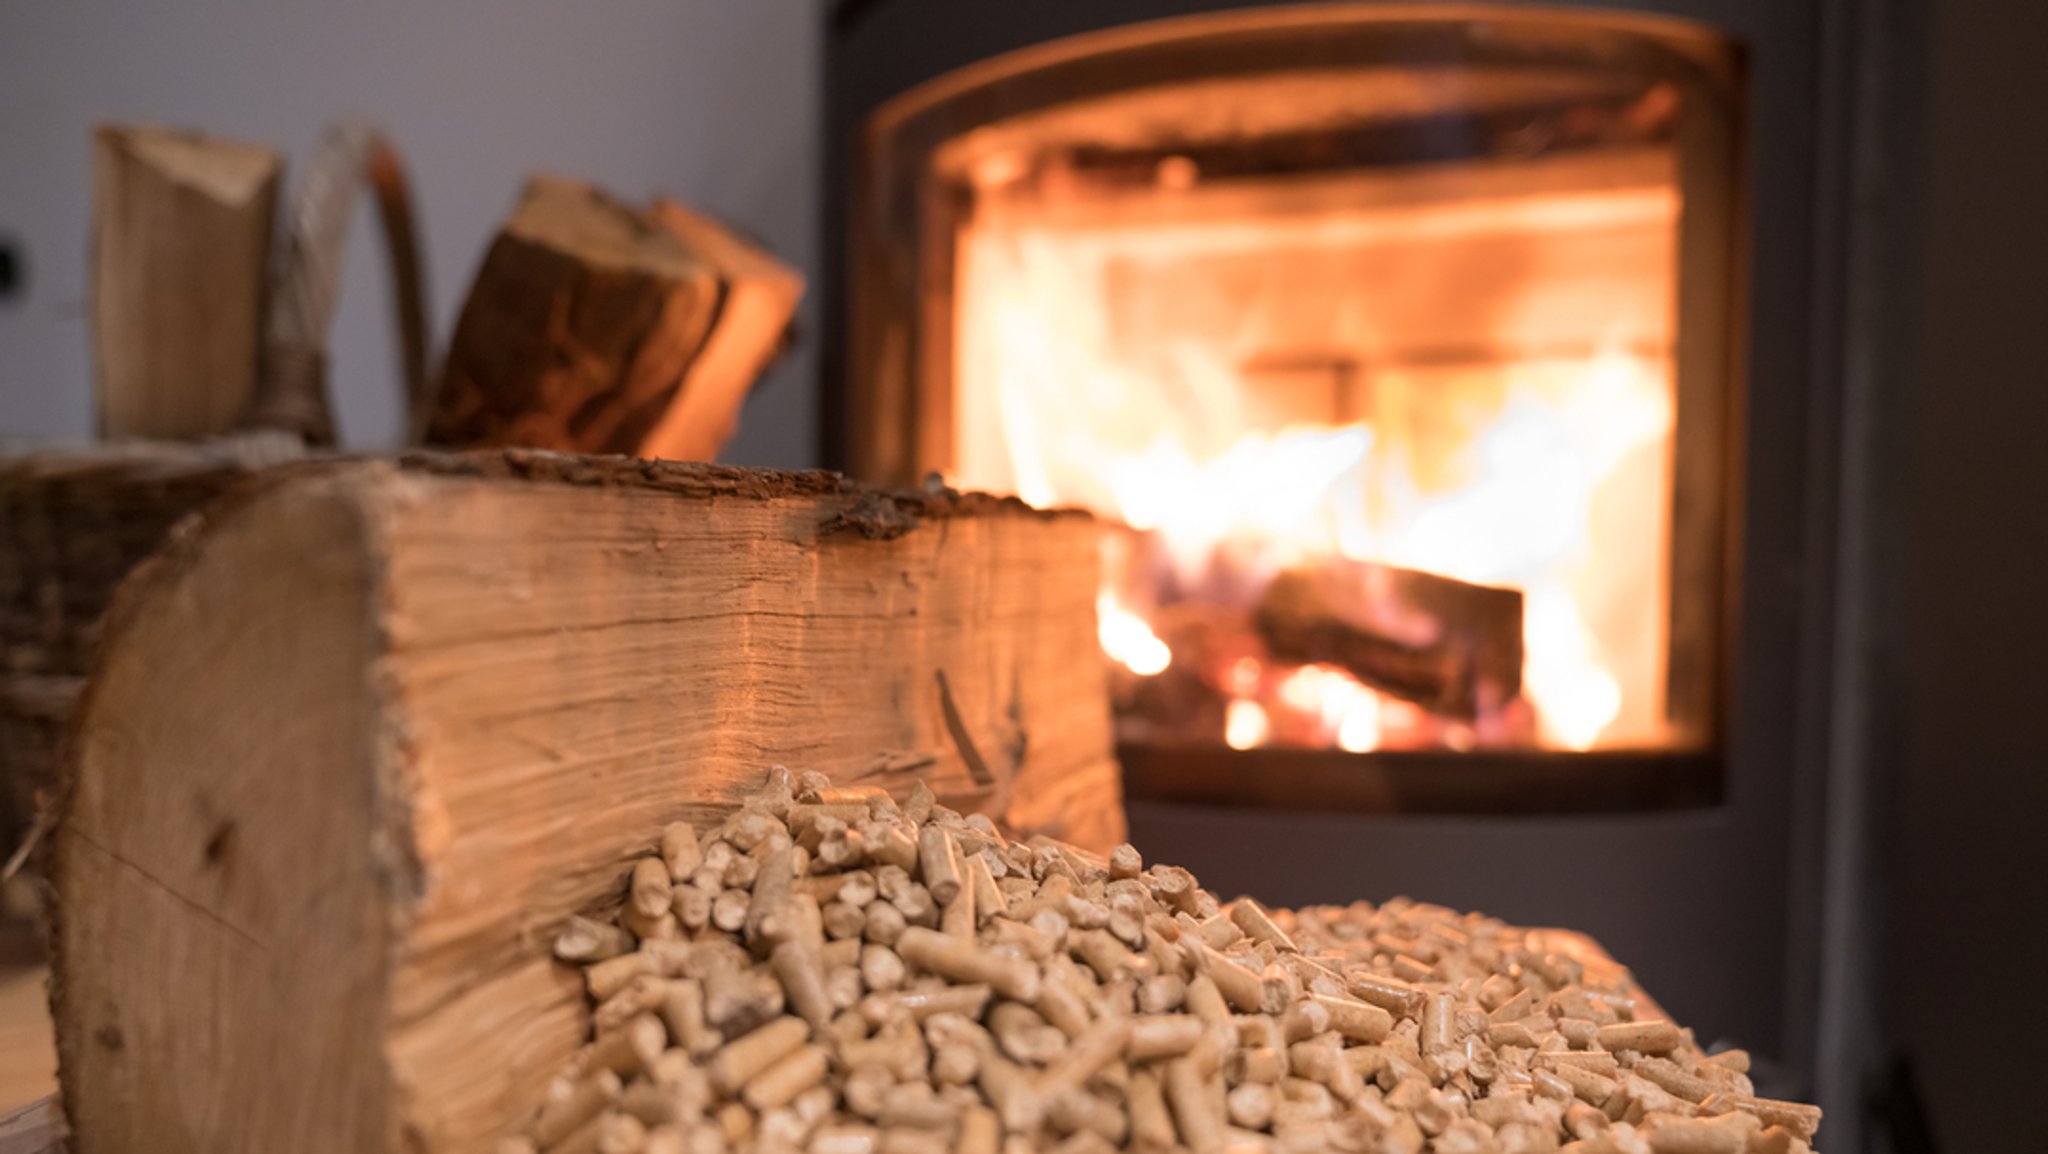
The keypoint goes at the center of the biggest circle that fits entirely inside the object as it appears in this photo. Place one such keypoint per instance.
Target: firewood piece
(1449, 646)
(369, 732)
(181, 257)
(578, 330)
(758, 295)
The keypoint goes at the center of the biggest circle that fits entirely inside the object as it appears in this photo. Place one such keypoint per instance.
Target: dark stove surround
(1745, 916)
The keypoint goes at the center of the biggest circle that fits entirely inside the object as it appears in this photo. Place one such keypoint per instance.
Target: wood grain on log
(578, 330)
(181, 259)
(1449, 646)
(357, 746)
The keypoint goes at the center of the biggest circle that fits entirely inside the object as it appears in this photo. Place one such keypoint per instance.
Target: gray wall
(714, 101)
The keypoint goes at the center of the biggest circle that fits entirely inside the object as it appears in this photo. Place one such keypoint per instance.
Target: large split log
(181, 260)
(357, 745)
(1450, 646)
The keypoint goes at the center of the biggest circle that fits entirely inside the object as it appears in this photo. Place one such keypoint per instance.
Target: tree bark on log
(359, 744)
(1449, 646)
(76, 522)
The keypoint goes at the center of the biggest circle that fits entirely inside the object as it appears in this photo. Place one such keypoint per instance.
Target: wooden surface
(577, 331)
(180, 261)
(358, 745)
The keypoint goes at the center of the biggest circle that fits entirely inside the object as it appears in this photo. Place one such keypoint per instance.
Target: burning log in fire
(1450, 646)
(1352, 655)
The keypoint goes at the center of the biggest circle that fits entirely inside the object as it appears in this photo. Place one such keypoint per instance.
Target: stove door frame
(899, 375)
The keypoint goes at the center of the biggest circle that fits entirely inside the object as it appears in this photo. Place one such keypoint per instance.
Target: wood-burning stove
(1411, 226)
(1326, 306)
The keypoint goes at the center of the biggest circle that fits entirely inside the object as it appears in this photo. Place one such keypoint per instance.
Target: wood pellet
(832, 972)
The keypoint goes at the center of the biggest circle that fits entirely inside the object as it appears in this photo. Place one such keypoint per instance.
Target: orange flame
(1126, 637)
(1541, 471)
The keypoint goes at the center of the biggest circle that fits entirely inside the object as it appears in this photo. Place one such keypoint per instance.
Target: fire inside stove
(1367, 343)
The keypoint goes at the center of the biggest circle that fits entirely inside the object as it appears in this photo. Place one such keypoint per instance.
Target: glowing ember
(1245, 725)
(1149, 366)
(1245, 675)
(1126, 637)
(1360, 729)
(1348, 712)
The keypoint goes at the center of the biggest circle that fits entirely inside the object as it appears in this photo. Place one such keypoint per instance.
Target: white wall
(714, 101)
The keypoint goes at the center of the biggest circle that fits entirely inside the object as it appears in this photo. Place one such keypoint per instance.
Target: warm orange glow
(1245, 724)
(1126, 637)
(1348, 713)
(1470, 377)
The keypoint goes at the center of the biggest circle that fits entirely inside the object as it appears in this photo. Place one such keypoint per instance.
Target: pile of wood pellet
(834, 973)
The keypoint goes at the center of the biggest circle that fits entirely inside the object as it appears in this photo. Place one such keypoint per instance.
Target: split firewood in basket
(596, 327)
(835, 972)
(181, 227)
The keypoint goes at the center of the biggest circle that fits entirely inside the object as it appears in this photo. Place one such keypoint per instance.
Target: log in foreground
(357, 747)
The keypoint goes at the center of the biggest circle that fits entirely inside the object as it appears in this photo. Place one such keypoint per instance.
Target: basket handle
(291, 390)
